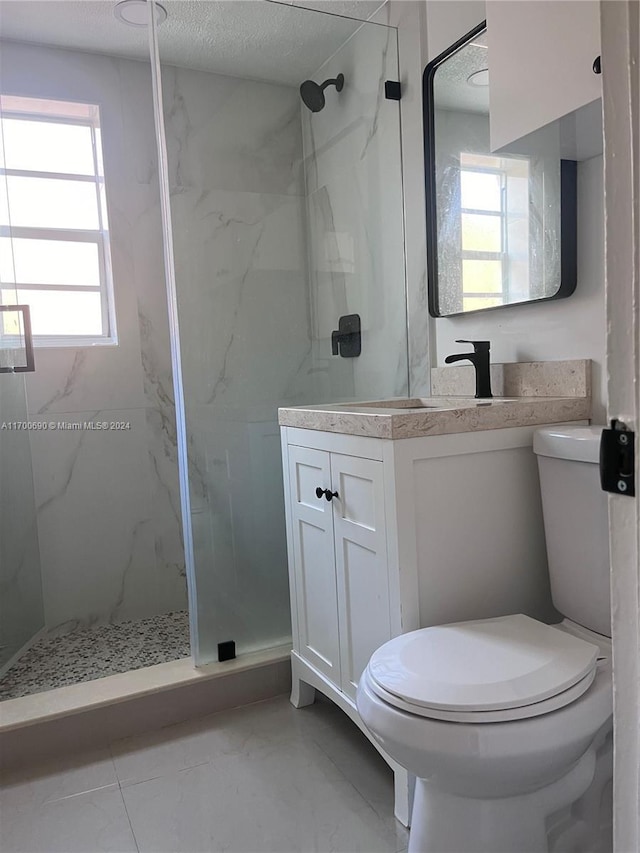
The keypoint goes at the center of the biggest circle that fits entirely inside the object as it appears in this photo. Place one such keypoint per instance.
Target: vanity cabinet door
(315, 575)
(361, 563)
(541, 63)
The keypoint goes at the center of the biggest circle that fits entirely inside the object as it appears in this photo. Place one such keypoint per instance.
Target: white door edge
(620, 39)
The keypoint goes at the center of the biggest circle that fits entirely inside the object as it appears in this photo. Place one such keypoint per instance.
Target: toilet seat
(491, 670)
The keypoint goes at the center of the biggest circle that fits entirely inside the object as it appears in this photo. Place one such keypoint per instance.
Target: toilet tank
(576, 523)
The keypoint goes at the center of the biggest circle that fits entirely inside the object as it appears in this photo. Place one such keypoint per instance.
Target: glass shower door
(21, 603)
(282, 221)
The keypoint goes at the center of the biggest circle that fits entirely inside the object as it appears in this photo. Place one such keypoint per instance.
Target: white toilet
(506, 722)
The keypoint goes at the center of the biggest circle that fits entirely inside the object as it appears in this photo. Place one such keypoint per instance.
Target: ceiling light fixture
(135, 13)
(479, 78)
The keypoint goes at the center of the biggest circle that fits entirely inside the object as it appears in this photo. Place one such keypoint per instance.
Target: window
(54, 238)
(494, 227)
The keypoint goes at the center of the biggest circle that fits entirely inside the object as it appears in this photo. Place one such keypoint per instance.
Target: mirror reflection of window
(494, 216)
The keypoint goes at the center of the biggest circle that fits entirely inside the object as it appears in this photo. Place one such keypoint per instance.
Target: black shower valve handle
(346, 340)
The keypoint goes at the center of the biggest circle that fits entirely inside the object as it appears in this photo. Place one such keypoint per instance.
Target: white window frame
(99, 237)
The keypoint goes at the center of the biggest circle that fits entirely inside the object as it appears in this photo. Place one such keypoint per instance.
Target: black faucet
(479, 358)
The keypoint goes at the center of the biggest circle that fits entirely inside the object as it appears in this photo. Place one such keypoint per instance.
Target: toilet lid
(486, 665)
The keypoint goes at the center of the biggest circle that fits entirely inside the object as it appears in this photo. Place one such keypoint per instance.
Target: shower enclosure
(274, 222)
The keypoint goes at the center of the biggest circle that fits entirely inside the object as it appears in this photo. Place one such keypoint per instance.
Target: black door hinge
(226, 650)
(617, 460)
(392, 90)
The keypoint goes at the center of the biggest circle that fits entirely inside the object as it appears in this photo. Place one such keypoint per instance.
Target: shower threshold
(149, 683)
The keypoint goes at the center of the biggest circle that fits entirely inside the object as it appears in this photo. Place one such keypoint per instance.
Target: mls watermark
(65, 426)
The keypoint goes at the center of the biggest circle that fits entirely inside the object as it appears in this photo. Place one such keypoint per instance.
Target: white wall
(564, 329)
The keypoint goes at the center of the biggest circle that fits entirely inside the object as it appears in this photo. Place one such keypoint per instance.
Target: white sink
(418, 403)
(406, 403)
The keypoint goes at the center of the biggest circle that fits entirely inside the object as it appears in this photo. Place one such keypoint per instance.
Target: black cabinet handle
(597, 65)
(329, 495)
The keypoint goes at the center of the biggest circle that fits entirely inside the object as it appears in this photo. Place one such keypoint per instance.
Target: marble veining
(78, 360)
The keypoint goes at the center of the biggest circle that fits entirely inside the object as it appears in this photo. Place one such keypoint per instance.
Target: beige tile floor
(260, 778)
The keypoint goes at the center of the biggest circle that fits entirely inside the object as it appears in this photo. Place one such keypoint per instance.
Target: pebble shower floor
(89, 653)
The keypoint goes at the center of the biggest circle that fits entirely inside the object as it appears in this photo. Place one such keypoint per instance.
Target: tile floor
(88, 653)
(265, 778)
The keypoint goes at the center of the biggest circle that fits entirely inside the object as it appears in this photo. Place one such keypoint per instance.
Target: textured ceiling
(451, 89)
(278, 42)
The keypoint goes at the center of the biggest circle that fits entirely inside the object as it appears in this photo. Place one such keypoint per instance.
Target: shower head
(312, 93)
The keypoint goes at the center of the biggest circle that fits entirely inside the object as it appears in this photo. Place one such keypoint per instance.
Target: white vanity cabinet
(340, 558)
(541, 66)
(422, 531)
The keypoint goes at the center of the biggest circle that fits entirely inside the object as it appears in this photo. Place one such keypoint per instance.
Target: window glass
(480, 191)
(42, 146)
(9, 320)
(481, 233)
(473, 303)
(4, 200)
(481, 276)
(62, 312)
(51, 203)
(61, 262)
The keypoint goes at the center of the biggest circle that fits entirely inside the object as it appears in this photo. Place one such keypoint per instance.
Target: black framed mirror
(501, 225)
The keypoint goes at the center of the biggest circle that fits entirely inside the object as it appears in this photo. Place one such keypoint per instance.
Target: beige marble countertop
(545, 392)
(398, 419)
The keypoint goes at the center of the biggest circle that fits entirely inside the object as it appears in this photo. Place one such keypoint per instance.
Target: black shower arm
(333, 82)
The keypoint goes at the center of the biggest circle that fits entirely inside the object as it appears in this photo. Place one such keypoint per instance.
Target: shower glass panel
(283, 221)
(109, 583)
(21, 606)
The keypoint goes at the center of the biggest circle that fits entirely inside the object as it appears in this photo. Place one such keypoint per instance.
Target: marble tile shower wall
(108, 502)
(355, 211)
